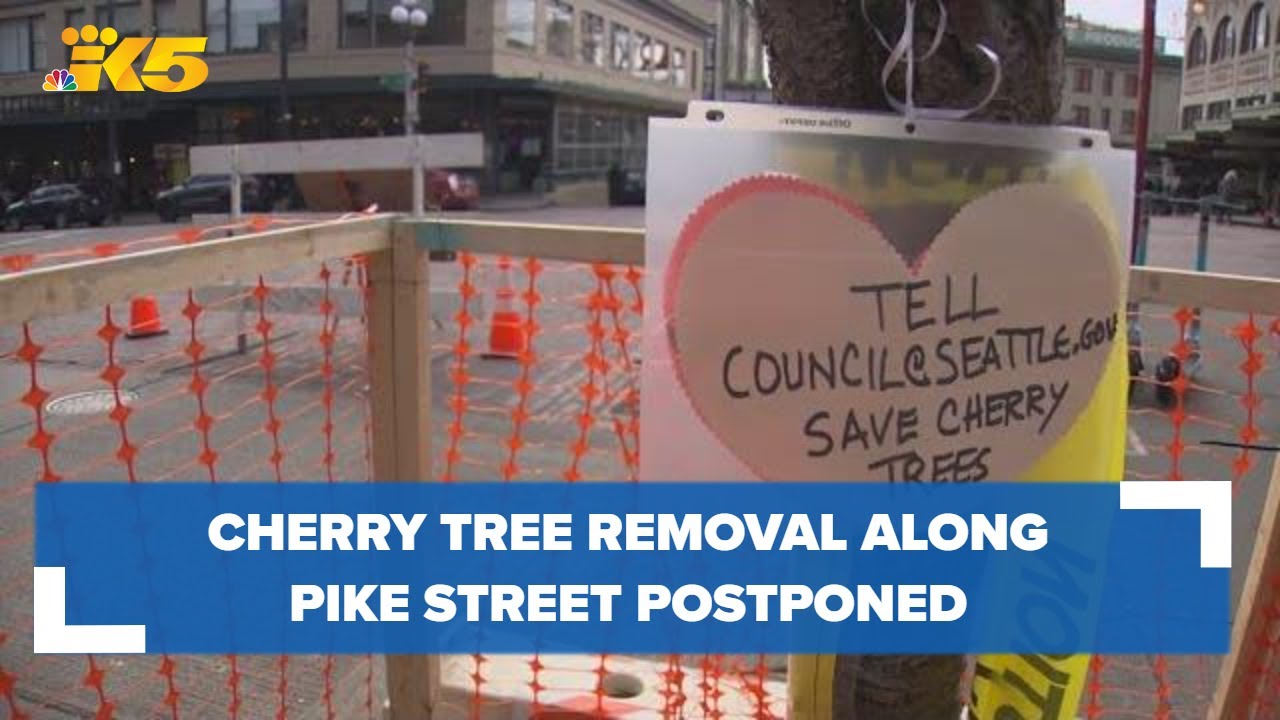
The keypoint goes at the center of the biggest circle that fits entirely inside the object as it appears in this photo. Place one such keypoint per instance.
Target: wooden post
(400, 357)
(1231, 697)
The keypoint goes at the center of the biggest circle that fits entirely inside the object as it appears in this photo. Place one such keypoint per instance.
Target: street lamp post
(412, 16)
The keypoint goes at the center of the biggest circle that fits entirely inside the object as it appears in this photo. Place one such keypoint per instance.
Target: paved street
(159, 383)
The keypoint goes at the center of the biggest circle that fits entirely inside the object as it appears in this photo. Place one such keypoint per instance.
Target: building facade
(1101, 84)
(1230, 114)
(740, 55)
(561, 89)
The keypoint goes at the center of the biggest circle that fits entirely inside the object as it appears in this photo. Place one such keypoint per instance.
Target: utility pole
(410, 87)
(412, 17)
(1145, 70)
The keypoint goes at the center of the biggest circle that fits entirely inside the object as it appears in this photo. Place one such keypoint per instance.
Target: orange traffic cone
(507, 337)
(144, 318)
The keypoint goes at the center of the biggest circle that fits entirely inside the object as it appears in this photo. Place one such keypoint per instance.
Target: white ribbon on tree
(903, 51)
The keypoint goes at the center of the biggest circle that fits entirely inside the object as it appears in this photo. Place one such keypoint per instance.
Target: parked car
(207, 194)
(56, 206)
(449, 190)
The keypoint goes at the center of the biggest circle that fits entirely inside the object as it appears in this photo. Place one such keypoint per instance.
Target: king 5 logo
(89, 62)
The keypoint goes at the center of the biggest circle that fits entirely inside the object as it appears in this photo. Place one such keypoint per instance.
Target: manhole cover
(622, 685)
(91, 402)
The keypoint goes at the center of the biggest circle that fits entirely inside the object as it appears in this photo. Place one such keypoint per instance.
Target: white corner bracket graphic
(1211, 498)
(52, 635)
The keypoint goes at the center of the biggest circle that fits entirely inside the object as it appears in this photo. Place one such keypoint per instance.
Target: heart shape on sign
(814, 352)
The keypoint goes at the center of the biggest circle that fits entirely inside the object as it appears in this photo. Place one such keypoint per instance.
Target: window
(661, 61)
(1131, 85)
(1083, 80)
(1128, 122)
(357, 28)
(1108, 82)
(642, 56)
(560, 29)
(1257, 29)
(679, 75)
(1080, 116)
(620, 38)
(733, 68)
(367, 24)
(164, 17)
(1197, 49)
(593, 47)
(1220, 110)
(125, 17)
(520, 23)
(1104, 119)
(1224, 41)
(1192, 115)
(590, 140)
(247, 26)
(22, 47)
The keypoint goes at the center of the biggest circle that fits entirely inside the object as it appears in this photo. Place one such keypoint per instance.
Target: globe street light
(411, 16)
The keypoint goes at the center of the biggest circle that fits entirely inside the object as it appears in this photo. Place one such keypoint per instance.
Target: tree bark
(822, 53)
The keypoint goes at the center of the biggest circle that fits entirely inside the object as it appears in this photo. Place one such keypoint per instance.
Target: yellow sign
(89, 62)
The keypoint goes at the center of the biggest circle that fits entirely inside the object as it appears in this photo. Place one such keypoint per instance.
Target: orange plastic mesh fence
(18, 261)
(536, 376)
(264, 380)
(1205, 408)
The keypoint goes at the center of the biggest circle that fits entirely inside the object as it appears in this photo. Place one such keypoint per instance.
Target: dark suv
(207, 194)
(56, 206)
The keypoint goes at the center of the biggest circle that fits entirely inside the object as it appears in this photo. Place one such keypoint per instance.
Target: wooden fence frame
(398, 252)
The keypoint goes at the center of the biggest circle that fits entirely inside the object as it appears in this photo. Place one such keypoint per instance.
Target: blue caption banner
(799, 568)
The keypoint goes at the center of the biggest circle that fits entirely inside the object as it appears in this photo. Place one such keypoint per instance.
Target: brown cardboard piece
(813, 352)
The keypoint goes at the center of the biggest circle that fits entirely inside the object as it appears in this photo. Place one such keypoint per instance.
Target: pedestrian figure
(1227, 187)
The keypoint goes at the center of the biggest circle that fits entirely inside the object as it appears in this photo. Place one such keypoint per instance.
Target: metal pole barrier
(1202, 265)
(237, 208)
(419, 187)
(1139, 253)
(1202, 236)
(1171, 367)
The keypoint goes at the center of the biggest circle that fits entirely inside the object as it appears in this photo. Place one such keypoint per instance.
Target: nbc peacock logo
(59, 80)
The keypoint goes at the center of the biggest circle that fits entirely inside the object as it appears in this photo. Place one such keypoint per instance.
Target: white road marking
(1136, 446)
(32, 239)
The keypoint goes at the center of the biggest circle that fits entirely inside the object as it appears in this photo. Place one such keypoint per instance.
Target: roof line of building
(675, 13)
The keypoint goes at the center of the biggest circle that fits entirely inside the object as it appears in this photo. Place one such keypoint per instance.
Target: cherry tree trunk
(822, 53)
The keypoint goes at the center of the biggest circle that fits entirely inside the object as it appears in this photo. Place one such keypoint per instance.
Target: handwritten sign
(813, 351)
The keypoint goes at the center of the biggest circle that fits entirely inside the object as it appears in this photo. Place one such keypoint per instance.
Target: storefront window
(520, 23)
(560, 29)
(593, 47)
(590, 140)
(678, 73)
(642, 56)
(247, 26)
(367, 24)
(620, 37)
